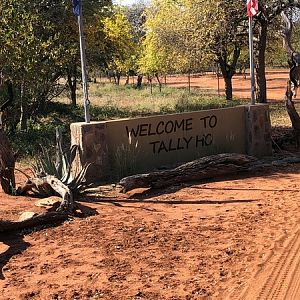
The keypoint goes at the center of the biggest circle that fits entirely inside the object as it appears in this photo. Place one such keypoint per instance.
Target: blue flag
(76, 7)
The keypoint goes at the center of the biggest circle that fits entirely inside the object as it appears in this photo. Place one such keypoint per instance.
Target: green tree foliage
(31, 53)
(163, 44)
(221, 34)
(136, 17)
(275, 53)
(120, 42)
(170, 44)
(97, 48)
(183, 34)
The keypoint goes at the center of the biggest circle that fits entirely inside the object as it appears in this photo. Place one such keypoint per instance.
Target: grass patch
(111, 101)
(279, 116)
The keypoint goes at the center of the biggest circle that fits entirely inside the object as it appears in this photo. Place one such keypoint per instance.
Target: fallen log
(50, 185)
(38, 220)
(204, 168)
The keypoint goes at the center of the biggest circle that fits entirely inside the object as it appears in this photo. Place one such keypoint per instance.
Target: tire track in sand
(280, 276)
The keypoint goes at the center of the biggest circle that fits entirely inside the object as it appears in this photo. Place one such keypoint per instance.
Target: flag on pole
(76, 7)
(252, 8)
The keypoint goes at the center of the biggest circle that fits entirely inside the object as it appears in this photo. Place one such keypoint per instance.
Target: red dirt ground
(237, 238)
(276, 84)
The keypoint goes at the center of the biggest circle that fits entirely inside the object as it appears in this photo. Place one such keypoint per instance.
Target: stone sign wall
(137, 145)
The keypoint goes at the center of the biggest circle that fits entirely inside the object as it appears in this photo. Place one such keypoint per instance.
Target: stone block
(258, 130)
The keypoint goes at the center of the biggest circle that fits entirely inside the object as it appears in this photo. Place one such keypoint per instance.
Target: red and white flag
(252, 8)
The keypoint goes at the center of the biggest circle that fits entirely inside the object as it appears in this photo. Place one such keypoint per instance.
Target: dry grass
(279, 115)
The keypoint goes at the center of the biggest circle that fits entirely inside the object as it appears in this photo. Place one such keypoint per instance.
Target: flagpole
(251, 61)
(86, 102)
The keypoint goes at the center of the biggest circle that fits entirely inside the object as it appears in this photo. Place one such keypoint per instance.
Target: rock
(48, 202)
(26, 215)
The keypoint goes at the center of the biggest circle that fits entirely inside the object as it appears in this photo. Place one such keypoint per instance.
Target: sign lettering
(178, 128)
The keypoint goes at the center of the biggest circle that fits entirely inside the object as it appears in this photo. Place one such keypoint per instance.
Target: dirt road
(279, 276)
(237, 238)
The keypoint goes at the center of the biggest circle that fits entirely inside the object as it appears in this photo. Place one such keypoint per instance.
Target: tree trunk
(23, 108)
(72, 83)
(205, 168)
(260, 66)
(72, 87)
(150, 82)
(159, 82)
(118, 76)
(139, 81)
(8, 102)
(228, 70)
(189, 82)
(51, 217)
(293, 114)
(7, 165)
(228, 87)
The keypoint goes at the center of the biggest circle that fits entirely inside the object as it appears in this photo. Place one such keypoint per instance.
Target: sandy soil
(236, 238)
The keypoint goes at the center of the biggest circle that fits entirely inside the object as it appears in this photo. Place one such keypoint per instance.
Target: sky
(125, 2)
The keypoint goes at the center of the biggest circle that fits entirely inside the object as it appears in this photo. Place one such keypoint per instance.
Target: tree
(39, 44)
(97, 47)
(136, 16)
(119, 39)
(226, 39)
(94, 11)
(167, 46)
(268, 11)
(7, 159)
(7, 164)
(31, 51)
(156, 56)
(275, 53)
(186, 34)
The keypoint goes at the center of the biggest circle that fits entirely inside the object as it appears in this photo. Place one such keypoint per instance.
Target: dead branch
(54, 186)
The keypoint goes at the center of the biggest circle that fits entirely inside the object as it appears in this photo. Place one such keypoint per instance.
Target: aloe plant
(61, 167)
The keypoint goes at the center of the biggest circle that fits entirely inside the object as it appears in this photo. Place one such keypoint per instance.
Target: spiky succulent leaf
(79, 179)
(62, 169)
